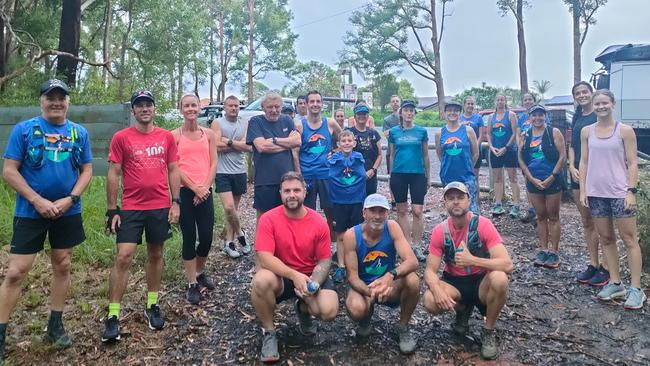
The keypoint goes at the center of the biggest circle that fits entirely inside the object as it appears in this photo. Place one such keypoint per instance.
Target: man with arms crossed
(146, 158)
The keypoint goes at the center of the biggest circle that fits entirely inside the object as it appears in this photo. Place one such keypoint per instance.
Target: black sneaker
(193, 295)
(587, 274)
(154, 317)
(111, 329)
(205, 281)
(461, 326)
(57, 337)
(601, 278)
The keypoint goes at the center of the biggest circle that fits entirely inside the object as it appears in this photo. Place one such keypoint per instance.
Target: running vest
(501, 131)
(373, 262)
(472, 240)
(456, 163)
(314, 149)
(37, 147)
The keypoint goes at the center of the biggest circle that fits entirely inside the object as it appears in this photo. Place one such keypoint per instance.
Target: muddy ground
(549, 318)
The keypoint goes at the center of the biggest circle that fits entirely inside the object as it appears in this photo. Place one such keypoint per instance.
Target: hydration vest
(36, 146)
(473, 242)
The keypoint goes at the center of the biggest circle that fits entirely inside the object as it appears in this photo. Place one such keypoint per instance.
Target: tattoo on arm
(321, 271)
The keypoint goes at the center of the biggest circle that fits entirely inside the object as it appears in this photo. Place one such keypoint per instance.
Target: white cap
(376, 200)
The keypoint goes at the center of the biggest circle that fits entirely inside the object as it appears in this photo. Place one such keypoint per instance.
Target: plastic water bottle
(468, 269)
(312, 287)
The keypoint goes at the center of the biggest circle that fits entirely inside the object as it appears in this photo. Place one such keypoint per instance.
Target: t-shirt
(269, 167)
(58, 174)
(487, 233)
(475, 121)
(347, 178)
(298, 243)
(581, 122)
(390, 121)
(408, 149)
(144, 158)
(367, 145)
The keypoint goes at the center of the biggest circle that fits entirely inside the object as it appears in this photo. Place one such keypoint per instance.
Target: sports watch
(74, 198)
(633, 190)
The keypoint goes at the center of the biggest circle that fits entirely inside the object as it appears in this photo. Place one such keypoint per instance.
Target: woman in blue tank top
(501, 136)
(541, 158)
(475, 120)
(457, 150)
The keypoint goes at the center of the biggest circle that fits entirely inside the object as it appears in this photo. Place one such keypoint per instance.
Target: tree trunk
(69, 40)
(521, 40)
(577, 57)
(125, 40)
(251, 50)
(106, 49)
(3, 49)
(211, 66)
(223, 67)
(181, 70)
(196, 81)
(440, 87)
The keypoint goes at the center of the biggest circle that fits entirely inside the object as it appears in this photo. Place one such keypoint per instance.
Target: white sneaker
(230, 248)
(244, 245)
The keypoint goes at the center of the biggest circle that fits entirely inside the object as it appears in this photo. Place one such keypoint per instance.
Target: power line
(327, 17)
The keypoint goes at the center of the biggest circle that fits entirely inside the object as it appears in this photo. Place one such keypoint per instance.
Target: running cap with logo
(537, 108)
(455, 104)
(376, 200)
(142, 94)
(361, 108)
(52, 84)
(408, 103)
(457, 186)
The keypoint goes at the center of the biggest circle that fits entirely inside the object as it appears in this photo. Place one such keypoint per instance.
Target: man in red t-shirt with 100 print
(293, 261)
(146, 158)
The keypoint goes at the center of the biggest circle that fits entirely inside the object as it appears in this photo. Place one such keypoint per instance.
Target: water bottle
(312, 287)
(468, 269)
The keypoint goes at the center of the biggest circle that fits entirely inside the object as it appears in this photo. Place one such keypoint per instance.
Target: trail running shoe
(540, 259)
(635, 299)
(587, 274)
(57, 336)
(364, 327)
(552, 260)
(269, 347)
(205, 281)
(244, 246)
(514, 211)
(611, 291)
(600, 278)
(489, 349)
(529, 216)
(111, 329)
(154, 317)
(407, 341)
(193, 294)
(461, 326)
(306, 325)
(339, 275)
(231, 249)
(498, 210)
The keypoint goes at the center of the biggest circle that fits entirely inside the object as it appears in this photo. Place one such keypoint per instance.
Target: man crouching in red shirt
(293, 261)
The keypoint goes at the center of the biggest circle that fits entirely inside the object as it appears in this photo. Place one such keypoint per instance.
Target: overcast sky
(480, 45)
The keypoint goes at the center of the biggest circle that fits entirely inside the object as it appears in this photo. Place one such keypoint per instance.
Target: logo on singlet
(499, 129)
(372, 262)
(451, 146)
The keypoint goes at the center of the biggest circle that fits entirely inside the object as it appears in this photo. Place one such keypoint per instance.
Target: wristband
(394, 273)
(374, 170)
(176, 200)
(110, 214)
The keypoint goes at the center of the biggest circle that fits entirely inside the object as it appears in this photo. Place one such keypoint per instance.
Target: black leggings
(193, 217)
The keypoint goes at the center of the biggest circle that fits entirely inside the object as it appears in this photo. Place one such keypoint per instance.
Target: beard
(457, 211)
(292, 205)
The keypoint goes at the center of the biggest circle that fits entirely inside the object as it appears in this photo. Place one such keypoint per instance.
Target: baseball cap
(408, 103)
(52, 84)
(287, 109)
(376, 200)
(142, 94)
(537, 108)
(453, 104)
(361, 108)
(455, 185)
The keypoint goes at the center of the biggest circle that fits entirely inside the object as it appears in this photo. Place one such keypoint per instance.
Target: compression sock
(114, 309)
(55, 319)
(152, 299)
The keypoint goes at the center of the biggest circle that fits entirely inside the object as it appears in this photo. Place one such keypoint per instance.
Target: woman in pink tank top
(608, 181)
(197, 161)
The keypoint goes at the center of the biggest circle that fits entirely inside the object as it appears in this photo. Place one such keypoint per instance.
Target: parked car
(255, 108)
(210, 112)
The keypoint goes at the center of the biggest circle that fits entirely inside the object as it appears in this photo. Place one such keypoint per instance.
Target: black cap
(52, 84)
(536, 108)
(452, 103)
(142, 94)
(287, 109)
(408, 103)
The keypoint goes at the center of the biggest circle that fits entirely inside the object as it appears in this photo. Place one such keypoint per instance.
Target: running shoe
(419, 254)
(461, 326)
(635, 299)
(111, 329)
(193, 294)
(529, 216)
(205, 281)
(587, 274)
(154, 317)
(540, 259)
(231, 249)
(489, 348)
(363, 326)
(57, 336)
(514, 211)
(611, 291)
(306, 325)
(498, 210)
(270, 347)
(407, 341)
(552, 260)
(600, 278)
(339, 275)
(244, 246)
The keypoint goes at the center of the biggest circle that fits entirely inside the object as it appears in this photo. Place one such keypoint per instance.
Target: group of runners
(168, 177)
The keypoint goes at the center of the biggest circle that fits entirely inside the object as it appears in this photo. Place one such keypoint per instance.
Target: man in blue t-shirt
(48, 163)
(272, 136)
(371, 250)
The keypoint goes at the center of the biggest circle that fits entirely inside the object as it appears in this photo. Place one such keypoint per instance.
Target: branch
(417, 37)
(587, 20)
(442, 22)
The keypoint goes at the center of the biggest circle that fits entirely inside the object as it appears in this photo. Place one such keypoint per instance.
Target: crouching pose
(293, 261)
(371, 251)
(476, 267)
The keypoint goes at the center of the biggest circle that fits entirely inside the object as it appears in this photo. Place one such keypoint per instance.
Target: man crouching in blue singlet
(371, 249)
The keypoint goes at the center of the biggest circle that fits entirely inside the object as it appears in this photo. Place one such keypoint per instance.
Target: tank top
(233, 161)
(194, 157)
(538, 165)
(606, 166)
(315, 146)
(456, 162)
(475, 121)
(501, 131)
(375, 261)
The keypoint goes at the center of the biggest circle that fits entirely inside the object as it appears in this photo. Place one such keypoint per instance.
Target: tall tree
(106, 43)
(231, 37)
(69, 34)
(516, 8)
(384, 29)
(315, 76)
(582, 13)
(384, 87)
(406, 91)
